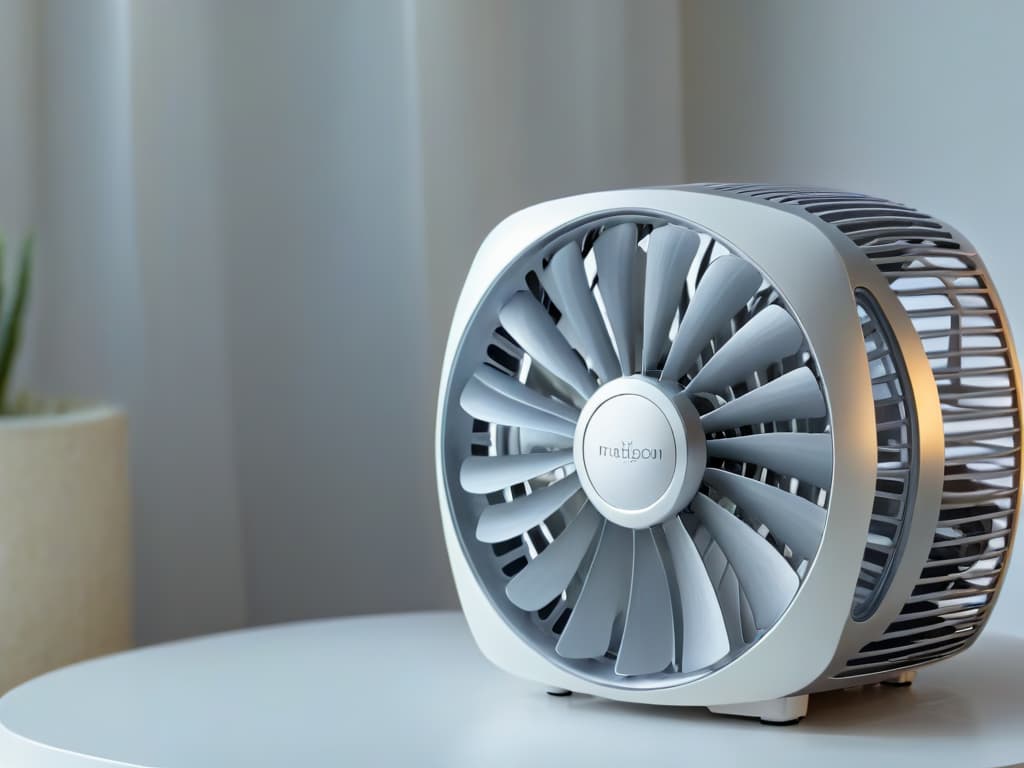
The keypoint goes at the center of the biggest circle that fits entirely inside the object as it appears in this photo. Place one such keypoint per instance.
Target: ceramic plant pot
(65, 540)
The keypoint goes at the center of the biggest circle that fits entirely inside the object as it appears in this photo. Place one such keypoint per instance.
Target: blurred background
(253, 219)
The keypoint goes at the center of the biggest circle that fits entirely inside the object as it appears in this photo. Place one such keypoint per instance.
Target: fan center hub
(639, 450)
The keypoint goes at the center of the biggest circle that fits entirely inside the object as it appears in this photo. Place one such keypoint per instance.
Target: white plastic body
(813, 279)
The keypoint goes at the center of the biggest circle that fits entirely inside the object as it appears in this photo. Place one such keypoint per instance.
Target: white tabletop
(411, 690)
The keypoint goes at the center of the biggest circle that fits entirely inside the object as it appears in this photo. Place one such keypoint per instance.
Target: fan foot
(902, 679)
(558, 692)
(788, 710)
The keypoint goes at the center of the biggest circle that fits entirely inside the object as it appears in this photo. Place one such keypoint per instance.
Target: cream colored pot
(65, 540)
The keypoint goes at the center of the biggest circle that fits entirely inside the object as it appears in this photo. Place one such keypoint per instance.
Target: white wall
(326, 309)
(190, 575)
(918, 101)
(19, 107)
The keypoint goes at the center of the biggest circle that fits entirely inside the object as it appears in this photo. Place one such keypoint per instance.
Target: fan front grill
(660, 300)
(944, 288)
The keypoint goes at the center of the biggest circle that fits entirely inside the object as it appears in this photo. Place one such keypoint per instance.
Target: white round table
(412, 690)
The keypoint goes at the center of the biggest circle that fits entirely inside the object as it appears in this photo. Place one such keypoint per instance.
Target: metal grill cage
(943, 287)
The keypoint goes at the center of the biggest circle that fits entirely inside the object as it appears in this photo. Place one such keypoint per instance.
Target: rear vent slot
(943, 287)
(896, 460)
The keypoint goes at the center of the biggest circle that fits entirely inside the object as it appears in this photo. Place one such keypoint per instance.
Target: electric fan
(727, 445)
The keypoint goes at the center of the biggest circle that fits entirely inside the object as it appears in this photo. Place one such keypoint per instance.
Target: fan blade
(702, 540)
(793, 520)
(494, 397)
(616, 253)
(564, 323)
(531, 440)
(548, 574)
(797, 454)
(578, 304)
(714, 558)
(727, 285)
(532, 327)
(705, 639)
(499, 522)
(484, 474)
(767, 578)
(588, 633)
(648, 636)
(669, 253)
(794, 395)
(729, 600)
(748, 627)
(770, 335)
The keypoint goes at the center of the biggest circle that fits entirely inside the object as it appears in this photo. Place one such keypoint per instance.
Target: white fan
(726, 445)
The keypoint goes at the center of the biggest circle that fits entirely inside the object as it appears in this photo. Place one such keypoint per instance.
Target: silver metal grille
(945, 290)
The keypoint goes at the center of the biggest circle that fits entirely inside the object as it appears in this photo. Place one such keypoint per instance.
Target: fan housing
(693, 447)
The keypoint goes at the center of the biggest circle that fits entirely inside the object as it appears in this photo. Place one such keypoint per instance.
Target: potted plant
(65, 516)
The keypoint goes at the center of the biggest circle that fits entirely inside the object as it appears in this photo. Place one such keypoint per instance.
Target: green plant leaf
(3, 275)
(13, 321)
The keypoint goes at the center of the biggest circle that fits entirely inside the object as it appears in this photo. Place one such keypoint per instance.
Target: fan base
(558, 692)
(788, 710)
(901, 680)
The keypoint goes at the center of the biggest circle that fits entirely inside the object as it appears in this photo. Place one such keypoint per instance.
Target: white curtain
(254, 219)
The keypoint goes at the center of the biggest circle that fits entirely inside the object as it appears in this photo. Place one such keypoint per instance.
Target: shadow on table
(985, 685)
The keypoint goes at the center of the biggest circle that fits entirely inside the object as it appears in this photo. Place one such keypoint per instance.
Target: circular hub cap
(639, 450)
